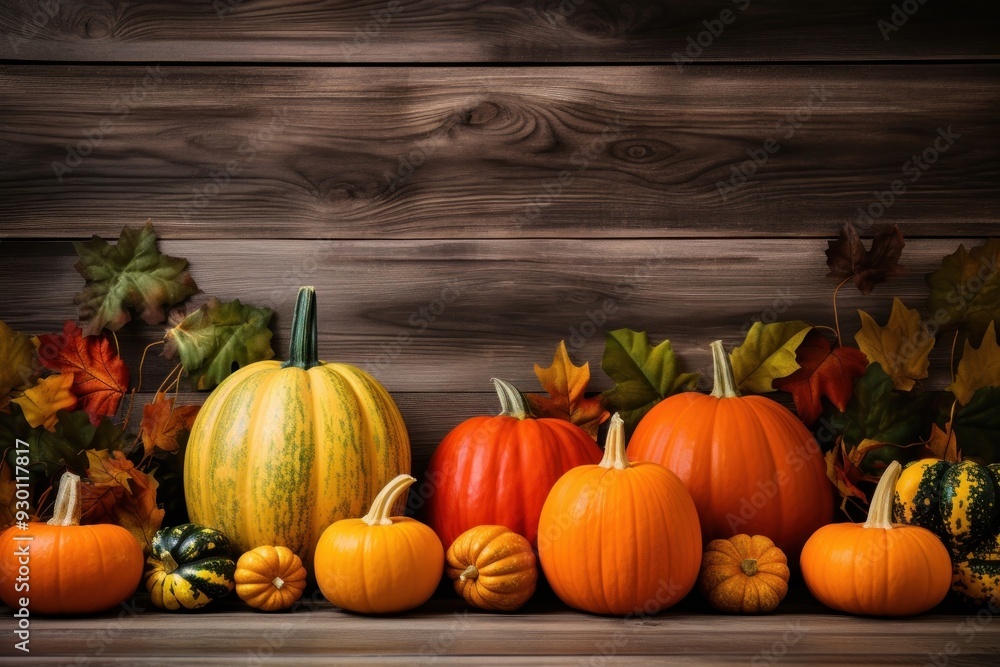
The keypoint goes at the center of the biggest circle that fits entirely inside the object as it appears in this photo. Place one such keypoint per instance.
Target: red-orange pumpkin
(498, 470)
(750, 464)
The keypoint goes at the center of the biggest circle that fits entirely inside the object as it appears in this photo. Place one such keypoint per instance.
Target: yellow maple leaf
(901, 347)
(566, 385)
(17, 359)
(41, 402)
(979, 367)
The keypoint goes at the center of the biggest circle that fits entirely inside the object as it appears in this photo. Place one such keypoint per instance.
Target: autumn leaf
(163, 423)
(17, 360)
(979, 367)
(943, 444)
(901, 347)
(41, 402)
(823, 372)
(122, 494)
(130, 274)
(848, 258)
(566, 384)
(844, 470)
(217, 337)
(965, 291)
(878, 412)
(977, 425)
(767, 354)
(644, 375)
(9, 499)
(49, 451)
(100, 377)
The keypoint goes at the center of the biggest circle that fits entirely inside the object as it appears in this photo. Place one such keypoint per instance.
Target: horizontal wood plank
(484, 31)
(445, 316)
(382, 153)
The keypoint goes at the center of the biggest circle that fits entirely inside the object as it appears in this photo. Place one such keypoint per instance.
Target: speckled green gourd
(190, 566)
(977, 575)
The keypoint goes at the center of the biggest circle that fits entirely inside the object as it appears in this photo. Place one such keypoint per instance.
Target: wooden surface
(545, 633)
(210, 152)
(485, 31)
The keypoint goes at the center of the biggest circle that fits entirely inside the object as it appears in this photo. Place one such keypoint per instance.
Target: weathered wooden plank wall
(425, 147)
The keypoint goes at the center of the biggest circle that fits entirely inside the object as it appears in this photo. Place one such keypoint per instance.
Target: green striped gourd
(956, 501)
(977, 575)
(280, 451)
(190, 566)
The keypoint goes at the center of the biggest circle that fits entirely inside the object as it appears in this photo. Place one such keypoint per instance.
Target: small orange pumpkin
(71, 569)
(270, 578)
(619, 538)
(743, 574)
(877, 568)
(493, 568)
(379, 564)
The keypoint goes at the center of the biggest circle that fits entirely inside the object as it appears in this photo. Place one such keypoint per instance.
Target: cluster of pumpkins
(284, 458)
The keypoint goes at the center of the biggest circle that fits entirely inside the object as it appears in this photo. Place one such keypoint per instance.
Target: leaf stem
(138, 384)
(951, 363)
(836, 316)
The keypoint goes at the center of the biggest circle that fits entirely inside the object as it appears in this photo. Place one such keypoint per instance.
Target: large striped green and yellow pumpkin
(282, 450)
(977, 575)
(956, 501)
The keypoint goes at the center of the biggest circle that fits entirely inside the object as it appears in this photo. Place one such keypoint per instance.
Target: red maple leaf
(823, 372)
(100, 377)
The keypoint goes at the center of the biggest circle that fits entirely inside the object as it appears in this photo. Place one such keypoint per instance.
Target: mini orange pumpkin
(493, 568)
(619, 538)
(743, 574)
(270, 578)
(877, 568)
(71, 569)
(379, 564)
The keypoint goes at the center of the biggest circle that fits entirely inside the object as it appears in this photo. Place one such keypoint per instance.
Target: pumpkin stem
(470, 573)
(381, 512)
(749, 566)
(168, 562)
(512, 403)
(303, 349)
(723, 381)
(614, 446)
(69, 504)
(880, 508)
(278, 582)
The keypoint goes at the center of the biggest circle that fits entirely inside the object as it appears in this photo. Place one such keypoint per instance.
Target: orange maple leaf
(100, 377)
(122, 494)
(566, 385)
(162, 424)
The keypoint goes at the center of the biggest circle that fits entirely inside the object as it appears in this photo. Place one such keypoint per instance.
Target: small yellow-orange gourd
(744, 575)
(493, 568)
(270, 578)
(877, 568)
(379, 564)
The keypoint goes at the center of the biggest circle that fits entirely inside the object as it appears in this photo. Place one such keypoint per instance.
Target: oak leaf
(122, 494)
(566, 384)
(219, 337)
(901, 347)
(767, 354)
(163, 424)
(100, 376)
(847, 256)
(644, 375)
(979, 367)
(965, 290)
(41, 402)
(17, 359)
(129, 274)
(823, 372)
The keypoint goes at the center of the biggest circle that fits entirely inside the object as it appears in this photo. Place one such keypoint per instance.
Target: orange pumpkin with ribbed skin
(750, 464)
(498, 470)
(379, 564)
(270, 578)
(877, 568)
(619, 538)
(493, 568)
(72, 569)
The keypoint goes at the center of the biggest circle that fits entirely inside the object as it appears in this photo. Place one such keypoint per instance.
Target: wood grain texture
(445, 316)
(379, 153)
(484, 31)
(546, 633)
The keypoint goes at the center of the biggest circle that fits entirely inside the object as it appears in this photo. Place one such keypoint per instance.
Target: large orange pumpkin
(750, 464)
(498, 470)
(619, 538)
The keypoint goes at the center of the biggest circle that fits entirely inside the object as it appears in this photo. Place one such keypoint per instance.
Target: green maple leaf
(644, 375)
(965, 291)
(768, 353)
(49, 451)
(131, 273)
(218, 338)
(977, 425)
